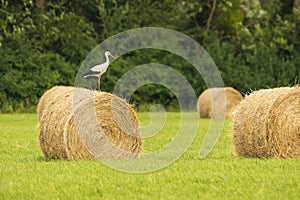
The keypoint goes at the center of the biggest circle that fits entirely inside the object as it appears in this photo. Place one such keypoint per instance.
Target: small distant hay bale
(84, 124)
(266, 124)
(224, 100)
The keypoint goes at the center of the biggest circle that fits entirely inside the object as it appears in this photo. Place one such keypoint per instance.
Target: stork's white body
(98, 70)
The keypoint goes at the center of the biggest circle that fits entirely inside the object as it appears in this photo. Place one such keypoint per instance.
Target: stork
(98, 70)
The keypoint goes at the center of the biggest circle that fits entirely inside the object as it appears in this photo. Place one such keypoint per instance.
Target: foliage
(38, 51)
(255, 44)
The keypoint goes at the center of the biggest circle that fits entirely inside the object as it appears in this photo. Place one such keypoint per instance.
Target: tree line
(255, 44)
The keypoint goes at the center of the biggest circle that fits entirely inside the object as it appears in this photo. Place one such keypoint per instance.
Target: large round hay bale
(266, 124)
(84, 124)
(48, 96)
(224, 100)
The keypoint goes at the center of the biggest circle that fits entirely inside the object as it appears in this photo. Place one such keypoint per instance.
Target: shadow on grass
(46, 159)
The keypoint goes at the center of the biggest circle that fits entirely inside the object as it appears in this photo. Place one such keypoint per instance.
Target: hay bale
(113, 131)
(266, 124)
(283, 128)
(47, 98)
(84, 124)
(224, 100)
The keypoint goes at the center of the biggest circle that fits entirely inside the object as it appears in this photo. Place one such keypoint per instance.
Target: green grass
(26, 174)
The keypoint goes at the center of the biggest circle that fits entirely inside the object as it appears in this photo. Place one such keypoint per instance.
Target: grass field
(26, 174)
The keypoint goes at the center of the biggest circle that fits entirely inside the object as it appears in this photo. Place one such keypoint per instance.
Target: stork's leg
(99, 84)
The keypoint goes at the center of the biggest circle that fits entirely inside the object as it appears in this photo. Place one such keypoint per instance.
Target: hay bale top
(49, 96)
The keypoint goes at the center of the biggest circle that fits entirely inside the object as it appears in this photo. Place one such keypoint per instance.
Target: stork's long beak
(112, 56)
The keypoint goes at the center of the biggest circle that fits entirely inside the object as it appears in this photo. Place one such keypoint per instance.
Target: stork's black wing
(90, 73)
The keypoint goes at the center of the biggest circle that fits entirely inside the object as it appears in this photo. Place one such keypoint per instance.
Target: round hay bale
(283, 128)
(112, 132)
(56, 109)
(224, 101)
(265, 124)
(84, 124)
(47, 98)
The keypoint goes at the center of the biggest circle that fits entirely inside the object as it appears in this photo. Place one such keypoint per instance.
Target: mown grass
(26, 174)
